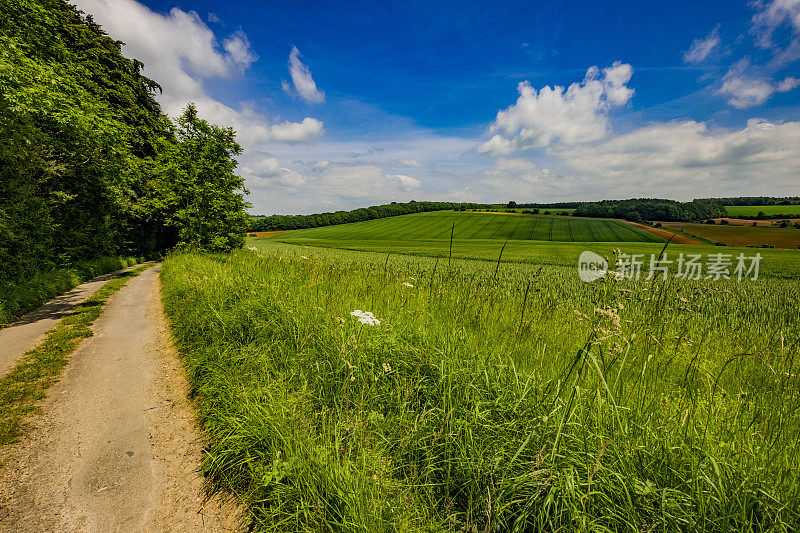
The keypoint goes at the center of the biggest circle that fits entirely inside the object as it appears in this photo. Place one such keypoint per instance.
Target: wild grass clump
(524, 401)
(20, 296)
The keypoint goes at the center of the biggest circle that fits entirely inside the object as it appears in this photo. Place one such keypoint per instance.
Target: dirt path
(117, 446)
(27, 332)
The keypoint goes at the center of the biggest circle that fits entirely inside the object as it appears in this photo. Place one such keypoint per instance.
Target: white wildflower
(407, 284)
(252, 248)
(365, 317)
(303, 257)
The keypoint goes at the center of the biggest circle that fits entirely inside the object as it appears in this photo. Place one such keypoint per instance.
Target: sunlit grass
(522, 400)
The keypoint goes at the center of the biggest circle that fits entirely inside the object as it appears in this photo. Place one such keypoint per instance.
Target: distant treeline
(90, 166)
(556, 205)
(287, 222)
(753, 200)
(640, 209)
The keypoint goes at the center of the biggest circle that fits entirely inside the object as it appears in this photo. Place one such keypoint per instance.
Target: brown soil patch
(736, 235)
(665, 234)
(746, 222)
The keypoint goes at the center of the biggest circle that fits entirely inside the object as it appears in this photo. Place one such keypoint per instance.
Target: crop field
(753, 210)
(491, 397)
(739, 235)
(437, 226)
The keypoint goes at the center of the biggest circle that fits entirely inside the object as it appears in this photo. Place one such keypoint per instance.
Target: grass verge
(26, 384)
(522, 400)
(20, 296)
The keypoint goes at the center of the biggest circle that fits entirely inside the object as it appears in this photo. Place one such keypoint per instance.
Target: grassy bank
(27, 383)
(20, 296)
(517, 399)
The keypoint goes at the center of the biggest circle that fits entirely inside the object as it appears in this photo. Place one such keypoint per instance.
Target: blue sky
(340, 105)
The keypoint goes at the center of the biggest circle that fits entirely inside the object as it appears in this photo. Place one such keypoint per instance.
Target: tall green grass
(17, 297)
(518, 401)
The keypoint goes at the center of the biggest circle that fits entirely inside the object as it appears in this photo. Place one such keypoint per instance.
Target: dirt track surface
(117, 447)
(27, 332)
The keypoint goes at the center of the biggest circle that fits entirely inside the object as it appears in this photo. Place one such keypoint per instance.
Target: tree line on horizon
(90, 166)
(635, 209)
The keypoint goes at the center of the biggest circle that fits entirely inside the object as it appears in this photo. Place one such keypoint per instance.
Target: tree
(203, 197)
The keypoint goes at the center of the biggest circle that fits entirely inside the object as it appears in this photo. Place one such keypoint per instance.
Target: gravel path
(27, 332)
(117, 447)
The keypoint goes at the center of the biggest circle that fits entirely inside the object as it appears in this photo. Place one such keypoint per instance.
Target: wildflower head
(365, 317)
(407, 284)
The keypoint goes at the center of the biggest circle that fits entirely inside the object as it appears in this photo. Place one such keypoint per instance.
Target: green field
(437, 226)
(508, 397)
(753, 210)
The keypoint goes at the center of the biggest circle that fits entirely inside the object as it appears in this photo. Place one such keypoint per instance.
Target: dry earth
(117, 447)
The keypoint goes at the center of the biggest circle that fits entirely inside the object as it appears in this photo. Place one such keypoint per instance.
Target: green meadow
(493, 395)
(438, 225)
(753, 210)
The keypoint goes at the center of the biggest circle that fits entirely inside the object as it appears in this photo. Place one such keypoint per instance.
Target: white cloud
(771, 15)
(304, 84)
(412, 163)
(743, 88)
(687, 160)
(554, 115)
(702, 48)
(405, 183)
(267, 172)
(180, 52)
(296, 132)
(746, 86)
(238, 48)
(787, 84)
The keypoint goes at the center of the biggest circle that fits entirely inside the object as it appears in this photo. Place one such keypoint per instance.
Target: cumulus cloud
(748, 87)
(178, 49)
(702, 48)
(304, 84)
(554, 115)
(267, 172)
(404, 183)
(682, 159)
(181, 52)
(296, 132)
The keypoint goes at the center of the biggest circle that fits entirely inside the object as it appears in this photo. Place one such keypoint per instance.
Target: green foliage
(201, 194)
(518, 401)
(652, 209)
(23, 295)
(85, 150)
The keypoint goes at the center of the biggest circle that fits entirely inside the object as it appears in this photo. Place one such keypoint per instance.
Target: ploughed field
(739, 234)
(437, 226)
